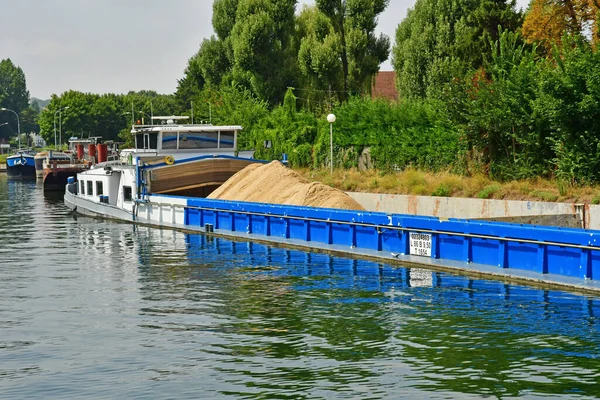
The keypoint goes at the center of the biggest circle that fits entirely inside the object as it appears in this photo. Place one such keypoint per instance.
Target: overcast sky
(114, 46)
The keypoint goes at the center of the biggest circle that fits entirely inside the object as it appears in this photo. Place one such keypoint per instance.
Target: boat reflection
(371, 323)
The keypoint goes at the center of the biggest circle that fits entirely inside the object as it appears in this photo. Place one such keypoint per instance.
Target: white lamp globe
(331, 118)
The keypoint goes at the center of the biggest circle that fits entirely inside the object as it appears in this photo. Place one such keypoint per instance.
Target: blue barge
(140, 188)
(563, 256)
(566, 257)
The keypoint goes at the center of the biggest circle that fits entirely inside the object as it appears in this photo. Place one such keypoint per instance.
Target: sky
(114, 46)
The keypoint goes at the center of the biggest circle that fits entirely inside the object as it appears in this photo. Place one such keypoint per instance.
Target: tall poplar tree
(352, 38)
(443, 40)
(264, 57)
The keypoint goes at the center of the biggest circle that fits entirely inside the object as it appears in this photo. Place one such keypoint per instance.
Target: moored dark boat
(56, 172)
(20, 166)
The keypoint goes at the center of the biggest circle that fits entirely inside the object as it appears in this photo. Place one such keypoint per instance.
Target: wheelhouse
(169, 137)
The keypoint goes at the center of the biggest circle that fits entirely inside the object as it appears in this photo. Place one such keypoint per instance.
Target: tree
(212, 61)
(224, 17)
(501, 125)
(254, 48)
(13, 88)
(320, 53)
(443, 40)
(13, 95)
(105, 115)
(215, 56)
(351, 39)
(548, 20)
(192, 82)
(568, 106)
(28, 118)
(264, 58)
(78, 120)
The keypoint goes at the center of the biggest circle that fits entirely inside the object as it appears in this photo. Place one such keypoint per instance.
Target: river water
(99, 309)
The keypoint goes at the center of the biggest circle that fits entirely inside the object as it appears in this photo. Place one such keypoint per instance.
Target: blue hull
(565, 257)
(562, 256)
(20, 166)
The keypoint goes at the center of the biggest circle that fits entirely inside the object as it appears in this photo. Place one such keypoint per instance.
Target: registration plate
(420, 244)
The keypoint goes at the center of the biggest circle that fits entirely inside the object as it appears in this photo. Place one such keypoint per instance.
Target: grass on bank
(449, 185)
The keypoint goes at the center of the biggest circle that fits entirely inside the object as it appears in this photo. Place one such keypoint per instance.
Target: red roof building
(384, 86)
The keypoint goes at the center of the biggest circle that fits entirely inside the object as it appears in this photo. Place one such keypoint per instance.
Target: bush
(442, 190)
(301, 156)
(488, 191)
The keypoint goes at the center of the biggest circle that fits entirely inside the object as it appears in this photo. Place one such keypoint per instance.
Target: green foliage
(13, 88)
(563, 187)
(212, 61)
(301, 155)
(224, 17)
(544, 196)
(443, 190)
(28, 118)
(320, 52)
(109, 116)
(488, 191)
(192, 82)
(401, 135)
(345, 53)
(289, 131)
(440, 41)
(530, 117)
(14, 96)
(499, 117)
(568, 107)
(263, 47)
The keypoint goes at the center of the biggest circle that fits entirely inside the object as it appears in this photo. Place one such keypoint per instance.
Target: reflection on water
(94, 308)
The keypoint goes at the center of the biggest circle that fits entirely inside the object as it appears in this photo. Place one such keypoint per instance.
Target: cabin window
(99, 188)
(82, 185)
(169, 140)
(90, 188)
(127, 193)
(153, 141)
(198, 140)
(139, 141)
(227, 140)
(146, 141)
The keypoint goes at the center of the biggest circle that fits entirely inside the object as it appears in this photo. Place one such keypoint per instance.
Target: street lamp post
(331, 120)
(143, 113)
(55, 112)
(2, 124)
(18, 123)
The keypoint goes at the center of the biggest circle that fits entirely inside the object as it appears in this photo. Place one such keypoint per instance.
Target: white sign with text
(420, 244)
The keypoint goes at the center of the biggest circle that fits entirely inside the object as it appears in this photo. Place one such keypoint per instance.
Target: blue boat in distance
(21, 165)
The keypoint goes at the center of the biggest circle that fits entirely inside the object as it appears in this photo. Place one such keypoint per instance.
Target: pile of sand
(274, 183)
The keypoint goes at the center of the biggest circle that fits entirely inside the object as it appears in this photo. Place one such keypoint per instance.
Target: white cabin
(183, 141)
(117, 186)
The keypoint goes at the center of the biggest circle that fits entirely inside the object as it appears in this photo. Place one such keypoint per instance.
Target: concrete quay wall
(526, 212)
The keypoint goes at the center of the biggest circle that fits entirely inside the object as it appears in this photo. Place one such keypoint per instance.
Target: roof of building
(384, 85)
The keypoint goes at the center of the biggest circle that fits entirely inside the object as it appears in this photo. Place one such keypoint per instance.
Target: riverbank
(444, 184)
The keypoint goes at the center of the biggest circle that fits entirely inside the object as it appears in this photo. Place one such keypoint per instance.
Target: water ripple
(101, 309)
